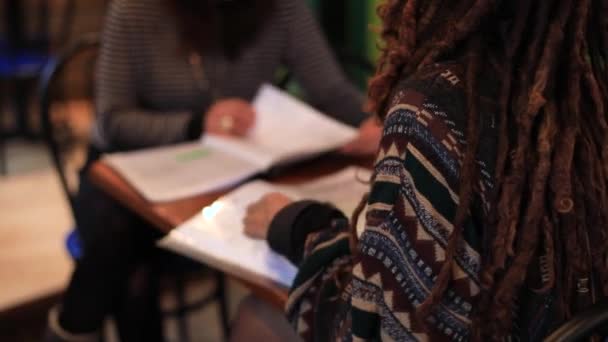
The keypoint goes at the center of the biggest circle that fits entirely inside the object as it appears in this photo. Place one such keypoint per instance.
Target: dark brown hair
(228, 25)
(550, 198)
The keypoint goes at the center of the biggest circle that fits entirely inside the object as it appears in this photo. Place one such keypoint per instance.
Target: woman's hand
(233, 117)
(368, 140)
(260, 214)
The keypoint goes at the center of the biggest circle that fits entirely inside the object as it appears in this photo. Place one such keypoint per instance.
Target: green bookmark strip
(192, 155)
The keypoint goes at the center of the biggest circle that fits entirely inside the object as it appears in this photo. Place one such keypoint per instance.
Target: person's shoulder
(136, 10)
(427, 112)
(290, 9)
(435, 91)
(437, 81)
(291, 5)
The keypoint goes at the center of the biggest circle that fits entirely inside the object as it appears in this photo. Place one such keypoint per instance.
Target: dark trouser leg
(115, 245)
(138, 316)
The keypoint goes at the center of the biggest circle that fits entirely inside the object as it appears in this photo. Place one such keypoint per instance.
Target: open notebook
(215, 235)
(286, 130)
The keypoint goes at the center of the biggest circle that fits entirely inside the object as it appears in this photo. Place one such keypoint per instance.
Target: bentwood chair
(581, 327)
(28, 43)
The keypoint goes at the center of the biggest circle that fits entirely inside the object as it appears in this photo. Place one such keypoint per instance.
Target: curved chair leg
(220, 294)
(181, 317)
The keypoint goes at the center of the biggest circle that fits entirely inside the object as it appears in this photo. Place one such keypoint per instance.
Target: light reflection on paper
(212, 210)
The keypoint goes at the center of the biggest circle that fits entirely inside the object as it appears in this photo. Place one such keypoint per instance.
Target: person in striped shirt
(487, 217)
(169, 71)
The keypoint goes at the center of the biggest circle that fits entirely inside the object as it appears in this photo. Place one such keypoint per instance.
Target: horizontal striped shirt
(147, 91)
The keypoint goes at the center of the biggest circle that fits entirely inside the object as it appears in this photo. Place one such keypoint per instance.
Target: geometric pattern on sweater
(412, 203)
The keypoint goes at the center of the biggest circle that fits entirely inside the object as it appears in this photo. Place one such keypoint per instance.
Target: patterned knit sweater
(372, 294)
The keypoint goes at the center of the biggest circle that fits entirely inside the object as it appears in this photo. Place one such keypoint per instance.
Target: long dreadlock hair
(550, 197)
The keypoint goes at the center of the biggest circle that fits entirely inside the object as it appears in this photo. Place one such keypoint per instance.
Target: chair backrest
(67, 109)
(593, 321)
(38, 24)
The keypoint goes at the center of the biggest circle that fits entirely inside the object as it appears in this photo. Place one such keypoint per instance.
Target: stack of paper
(215, 236)
(285, 130)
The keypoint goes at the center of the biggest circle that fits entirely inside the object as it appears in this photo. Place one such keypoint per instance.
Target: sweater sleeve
(290, 227)
(309, 57)
(122, 123)
(373, 294)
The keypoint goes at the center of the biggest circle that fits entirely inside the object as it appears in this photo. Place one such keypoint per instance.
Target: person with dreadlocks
(487, 217)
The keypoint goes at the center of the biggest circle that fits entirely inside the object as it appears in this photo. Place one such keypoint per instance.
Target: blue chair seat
(74, 244)
(22, 64)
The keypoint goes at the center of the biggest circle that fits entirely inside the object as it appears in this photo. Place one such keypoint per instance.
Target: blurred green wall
(349, 26)
(374, 27)
(349, 23)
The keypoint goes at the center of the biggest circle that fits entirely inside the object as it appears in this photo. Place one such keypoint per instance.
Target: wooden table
(166, 216)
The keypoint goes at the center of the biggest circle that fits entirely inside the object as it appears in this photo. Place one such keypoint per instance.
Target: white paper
(343, 189)
(286, 129)
(227, 249)
(178, 171)
(215, 235)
